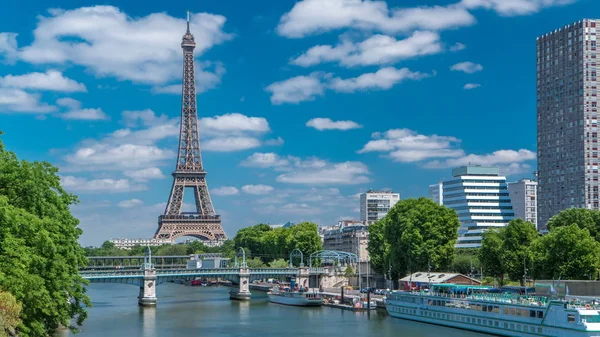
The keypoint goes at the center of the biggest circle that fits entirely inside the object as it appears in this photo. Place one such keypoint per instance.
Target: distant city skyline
(298, 113)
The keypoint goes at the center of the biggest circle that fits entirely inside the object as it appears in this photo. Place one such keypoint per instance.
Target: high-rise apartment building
(567, 119)
(523, 197)
(480, 197)
(436, 193)
(374, 205)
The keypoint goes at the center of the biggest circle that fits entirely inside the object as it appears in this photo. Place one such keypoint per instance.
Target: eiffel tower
(203, 223)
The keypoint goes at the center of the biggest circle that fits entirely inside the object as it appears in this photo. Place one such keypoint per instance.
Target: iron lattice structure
(189, 173)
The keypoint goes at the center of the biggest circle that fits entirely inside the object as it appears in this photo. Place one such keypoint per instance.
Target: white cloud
(405, 145)
(297, 89)
(51, 80)
(229, 144)
(275, 142)
(145, 174)
(85, 114)
(470, 86)
(307, 88)
(234, 123)
(108, 42)
(376, 50)
(130, 203)
(69, 103)
(384, 78)
(225, 191)
(257, 189)
(467, 67)
(147, 117)
(327, 124)
(315, 16)
(17, 100)
(346, 173)
(8, 46)
(101, 156)
(514, 7)
(496, 158)
(265, 160)
(457, 47)
(82, 185)
(312, 170)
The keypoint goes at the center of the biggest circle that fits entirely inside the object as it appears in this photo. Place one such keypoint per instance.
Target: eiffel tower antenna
(188, 22)
(204, 223)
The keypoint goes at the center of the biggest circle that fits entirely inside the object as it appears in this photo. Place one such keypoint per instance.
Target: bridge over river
(147, 276)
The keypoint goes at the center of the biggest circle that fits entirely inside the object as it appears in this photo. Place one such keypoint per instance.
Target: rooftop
(475, 170)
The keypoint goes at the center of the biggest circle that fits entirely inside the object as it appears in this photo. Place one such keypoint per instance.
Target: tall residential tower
(567, 119)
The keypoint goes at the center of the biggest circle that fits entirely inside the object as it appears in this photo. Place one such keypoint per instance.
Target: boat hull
(299, 301)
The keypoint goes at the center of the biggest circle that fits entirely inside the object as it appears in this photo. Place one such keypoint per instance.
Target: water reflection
(148, 316)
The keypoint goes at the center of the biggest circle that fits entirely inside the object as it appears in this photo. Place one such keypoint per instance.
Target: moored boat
(482, 309)
(297, 298)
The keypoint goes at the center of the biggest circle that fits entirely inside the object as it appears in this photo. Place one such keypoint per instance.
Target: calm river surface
(208, 312)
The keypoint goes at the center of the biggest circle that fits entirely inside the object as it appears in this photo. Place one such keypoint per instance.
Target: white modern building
(374, 205)
(523, 197)
(436, 193)
(480, 197)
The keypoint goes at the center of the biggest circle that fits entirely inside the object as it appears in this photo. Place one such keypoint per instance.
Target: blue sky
(303, 105)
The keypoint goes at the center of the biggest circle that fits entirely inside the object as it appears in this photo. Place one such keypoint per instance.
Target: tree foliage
(269, 244)
(40, 255)
(584, 218)
(490, 254)
(10, 311)
(379, 249)
(279, 263)
(416, 233)
(566, 252)
(466, 262)
(506, 250)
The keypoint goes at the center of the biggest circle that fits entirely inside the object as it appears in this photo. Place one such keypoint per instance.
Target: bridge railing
(90, 274)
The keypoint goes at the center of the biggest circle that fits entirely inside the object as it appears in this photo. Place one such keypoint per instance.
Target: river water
(208, 312)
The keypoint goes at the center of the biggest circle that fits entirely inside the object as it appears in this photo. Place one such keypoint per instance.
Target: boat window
(590, 318)
(540, 314)
(539, 329)
(532, 313)
(497, 309)
(570, 318)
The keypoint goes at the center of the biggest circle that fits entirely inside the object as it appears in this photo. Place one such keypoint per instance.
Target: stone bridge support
(147, 297)
(242, 291)
(302, 277)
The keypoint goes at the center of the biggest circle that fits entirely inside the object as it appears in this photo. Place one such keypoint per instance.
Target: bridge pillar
(242, 292)
(302, 277)
(147, 297)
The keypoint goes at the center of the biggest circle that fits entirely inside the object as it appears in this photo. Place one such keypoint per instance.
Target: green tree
(379, 248)
(255, 263)
(466, 264)
(584, 218)
(305, 237)
(175, 249)
(279, 263)
(566, 252)
(349, 271)
(490, 254)
(420, 233)
(518, 236)
(10, 311)
(251, 238)
(40, 255)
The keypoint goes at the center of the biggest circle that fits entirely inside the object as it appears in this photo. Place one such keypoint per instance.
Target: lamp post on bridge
(242, 292)
(147, 295)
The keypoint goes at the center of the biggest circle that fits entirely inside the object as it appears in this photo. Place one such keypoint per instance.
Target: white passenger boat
(298, 298)
(480, 309)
